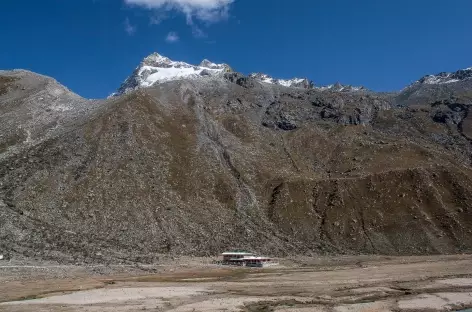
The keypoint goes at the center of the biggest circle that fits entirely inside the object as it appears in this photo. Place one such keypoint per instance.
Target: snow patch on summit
(293, 83)
(304, 83)
(444, 77)
(337, 87)
(156, 69)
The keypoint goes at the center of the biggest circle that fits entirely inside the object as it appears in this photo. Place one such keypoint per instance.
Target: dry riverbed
(325, 284)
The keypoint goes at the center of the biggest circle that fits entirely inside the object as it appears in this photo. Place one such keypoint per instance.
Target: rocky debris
(448, 116)
(291, 109)
(239, 79)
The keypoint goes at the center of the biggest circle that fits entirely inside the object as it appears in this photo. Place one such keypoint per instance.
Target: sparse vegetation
(5, 83)
(197, 167)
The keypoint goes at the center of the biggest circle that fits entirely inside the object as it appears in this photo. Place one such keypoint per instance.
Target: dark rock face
(305, 84)
(195, 167)
(205, 73)
(446, 117)
(239, 79)
(462, 74)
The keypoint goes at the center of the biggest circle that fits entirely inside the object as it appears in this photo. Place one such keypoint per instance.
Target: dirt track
(441, 283)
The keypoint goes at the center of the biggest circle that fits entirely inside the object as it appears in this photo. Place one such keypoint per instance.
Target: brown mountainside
(195, 167)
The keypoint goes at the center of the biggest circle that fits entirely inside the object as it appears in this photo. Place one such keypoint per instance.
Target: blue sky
(91, 46)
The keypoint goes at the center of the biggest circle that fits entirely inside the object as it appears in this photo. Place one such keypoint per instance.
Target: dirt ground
(325, 284)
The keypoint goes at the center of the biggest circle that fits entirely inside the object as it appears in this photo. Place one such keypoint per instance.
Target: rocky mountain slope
(455, 86)
(195, 166)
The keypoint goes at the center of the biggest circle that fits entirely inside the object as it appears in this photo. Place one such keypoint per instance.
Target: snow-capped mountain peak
(444, 77)
(338, 87)
(294, 83)
(156, 59)
(156, 68)
(304, 83)
(208, 64)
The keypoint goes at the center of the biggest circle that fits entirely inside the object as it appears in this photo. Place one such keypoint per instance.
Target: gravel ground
(328, 284)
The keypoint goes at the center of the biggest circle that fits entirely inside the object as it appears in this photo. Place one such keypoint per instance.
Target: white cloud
(157, 19)
(130, 29)
(198, 32)
(172, 37)
(209, 11)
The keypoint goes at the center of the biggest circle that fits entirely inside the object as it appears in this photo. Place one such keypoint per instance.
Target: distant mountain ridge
(445, 86)
(445, 77)
(294, 82)
(156, 69)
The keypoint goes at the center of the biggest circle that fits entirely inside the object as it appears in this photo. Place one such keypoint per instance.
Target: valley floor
(325, 284)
